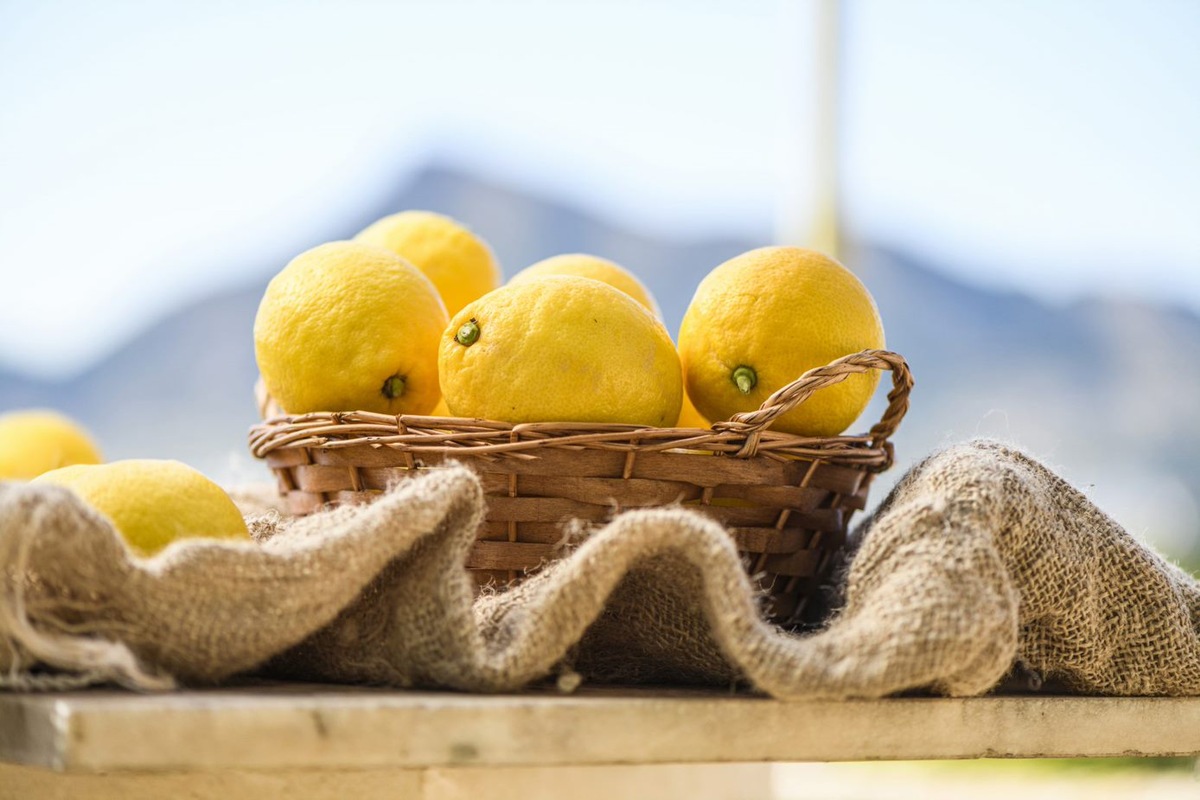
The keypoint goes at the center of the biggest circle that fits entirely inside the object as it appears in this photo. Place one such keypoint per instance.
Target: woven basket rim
(745, 435)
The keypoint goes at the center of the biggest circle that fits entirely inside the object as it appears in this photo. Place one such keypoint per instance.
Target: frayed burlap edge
(980, 559)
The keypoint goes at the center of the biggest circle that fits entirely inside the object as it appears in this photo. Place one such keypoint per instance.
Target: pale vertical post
(809, 212)
(826, 233)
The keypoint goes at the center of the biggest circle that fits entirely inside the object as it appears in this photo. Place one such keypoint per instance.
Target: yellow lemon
(689, 417)
(460, 264)
(764, 318)
(350, 327)
(600, 269)
(34, 441)
(560, 348)
(152, 503)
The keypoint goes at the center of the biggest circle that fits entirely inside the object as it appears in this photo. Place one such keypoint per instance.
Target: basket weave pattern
(786, 500)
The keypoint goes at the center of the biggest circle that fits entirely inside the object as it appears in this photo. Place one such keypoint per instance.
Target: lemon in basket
(460, 263)
(689, 417)
(560, 348)
(764, 318)
(33, 441)
(350, 327)
(152, 503)
(587, 266)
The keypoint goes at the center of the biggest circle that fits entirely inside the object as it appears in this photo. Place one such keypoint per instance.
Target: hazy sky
(151, 151)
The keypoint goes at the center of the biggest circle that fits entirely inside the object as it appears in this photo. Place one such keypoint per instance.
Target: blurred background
(1018, 184)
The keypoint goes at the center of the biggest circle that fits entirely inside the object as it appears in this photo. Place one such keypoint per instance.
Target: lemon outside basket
(786, 500)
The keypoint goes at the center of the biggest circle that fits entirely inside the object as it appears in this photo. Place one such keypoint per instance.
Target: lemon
(350, 327)
(34, 441)
(560, 348)
(152, 503)
(689, 417)
(460, 264)
(267, 406)
(764, 318)
(586, 266)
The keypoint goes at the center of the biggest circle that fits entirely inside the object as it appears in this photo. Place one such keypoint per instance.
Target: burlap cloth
(980, 561)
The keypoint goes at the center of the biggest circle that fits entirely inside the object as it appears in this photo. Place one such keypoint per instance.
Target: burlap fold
(74, 599)
(980, 560)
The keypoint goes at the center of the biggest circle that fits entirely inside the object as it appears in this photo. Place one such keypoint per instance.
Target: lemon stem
(393, 387)
(468, 334)
(745, 378)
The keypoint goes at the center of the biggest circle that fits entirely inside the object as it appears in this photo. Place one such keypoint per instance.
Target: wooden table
(300, 740)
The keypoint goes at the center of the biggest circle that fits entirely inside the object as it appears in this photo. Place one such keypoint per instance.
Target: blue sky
(150, 151)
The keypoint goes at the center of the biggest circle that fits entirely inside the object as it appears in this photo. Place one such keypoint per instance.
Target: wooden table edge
(295, 726)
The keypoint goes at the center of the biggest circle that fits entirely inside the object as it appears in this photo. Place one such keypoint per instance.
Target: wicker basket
(786, 500)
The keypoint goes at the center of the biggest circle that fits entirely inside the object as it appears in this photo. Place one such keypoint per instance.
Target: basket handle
(752, 424)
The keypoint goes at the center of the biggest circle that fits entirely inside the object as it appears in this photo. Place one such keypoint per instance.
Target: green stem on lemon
(744, 378)
(468, 334)
(393, 387)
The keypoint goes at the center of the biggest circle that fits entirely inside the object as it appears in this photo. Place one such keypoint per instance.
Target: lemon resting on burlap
(595, 267)
(459, 262)
(33, 441)
(152, 502)
(764, 318)
(348, 326)
(560, 349)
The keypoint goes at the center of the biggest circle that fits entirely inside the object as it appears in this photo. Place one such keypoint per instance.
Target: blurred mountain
(1103, 390)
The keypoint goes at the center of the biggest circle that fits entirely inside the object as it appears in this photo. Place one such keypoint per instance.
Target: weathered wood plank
(308, 727)
(658, 781)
